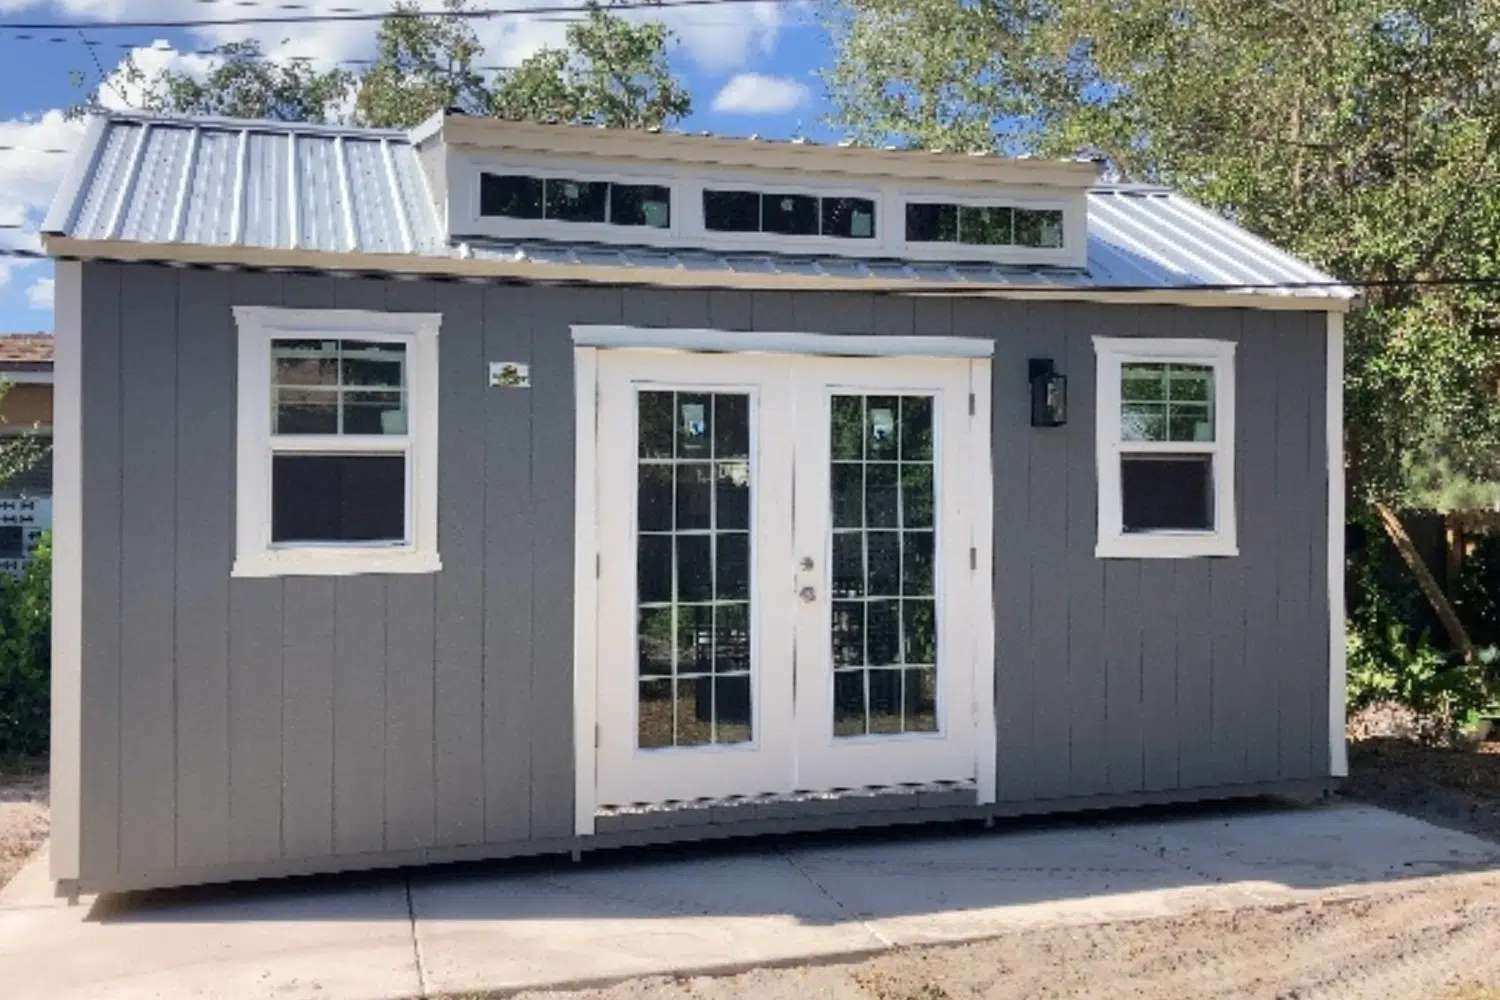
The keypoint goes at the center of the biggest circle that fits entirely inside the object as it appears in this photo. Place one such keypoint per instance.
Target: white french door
(785, 574)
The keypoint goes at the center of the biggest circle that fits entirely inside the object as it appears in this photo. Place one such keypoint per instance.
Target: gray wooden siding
(243, 725)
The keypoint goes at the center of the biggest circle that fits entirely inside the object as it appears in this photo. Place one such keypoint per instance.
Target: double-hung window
(337, 453)
(1165, 431)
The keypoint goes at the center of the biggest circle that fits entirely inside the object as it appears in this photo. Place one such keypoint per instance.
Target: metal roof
(279, 186)
(219, 182)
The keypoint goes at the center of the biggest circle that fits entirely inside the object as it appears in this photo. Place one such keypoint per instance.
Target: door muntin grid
(693, 535)
(883, 620)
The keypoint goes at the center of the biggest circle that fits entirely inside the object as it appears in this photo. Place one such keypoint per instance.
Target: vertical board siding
(99, 661)
(205, 525)
(262, 720)
(509, 535)
(148, 411)
(458, 643)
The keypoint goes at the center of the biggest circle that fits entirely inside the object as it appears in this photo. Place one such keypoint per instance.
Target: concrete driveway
(550, 923)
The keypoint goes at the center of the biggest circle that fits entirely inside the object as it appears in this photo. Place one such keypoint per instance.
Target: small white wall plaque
(509, 375)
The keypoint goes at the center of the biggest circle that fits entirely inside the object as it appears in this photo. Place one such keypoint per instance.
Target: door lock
(808, 595)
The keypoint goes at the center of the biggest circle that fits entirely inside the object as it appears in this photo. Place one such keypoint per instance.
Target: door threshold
(785, 798)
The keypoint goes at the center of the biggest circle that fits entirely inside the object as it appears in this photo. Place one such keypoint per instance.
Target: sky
(752, 68)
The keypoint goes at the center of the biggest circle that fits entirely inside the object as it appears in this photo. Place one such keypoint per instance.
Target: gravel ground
(23, 816)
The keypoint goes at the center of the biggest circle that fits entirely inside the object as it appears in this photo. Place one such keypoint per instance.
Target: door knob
(806, 563)
(808, 595)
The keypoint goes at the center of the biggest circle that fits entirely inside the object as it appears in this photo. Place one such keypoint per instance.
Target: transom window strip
(984, 225)
(788, 214)
(884, 618)
(560, 199)
(693, 570)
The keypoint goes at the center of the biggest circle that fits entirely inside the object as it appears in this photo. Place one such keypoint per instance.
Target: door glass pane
(693, 527)
(883, 630)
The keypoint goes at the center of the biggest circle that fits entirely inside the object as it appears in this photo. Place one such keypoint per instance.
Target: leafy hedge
(26, 655)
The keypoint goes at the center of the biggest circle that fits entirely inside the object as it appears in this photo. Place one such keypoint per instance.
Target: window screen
(1167, 492)
(338, 498)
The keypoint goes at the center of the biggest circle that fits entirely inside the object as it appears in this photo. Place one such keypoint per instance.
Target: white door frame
(588, 339)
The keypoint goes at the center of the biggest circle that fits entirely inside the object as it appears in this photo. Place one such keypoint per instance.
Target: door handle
(808, 595)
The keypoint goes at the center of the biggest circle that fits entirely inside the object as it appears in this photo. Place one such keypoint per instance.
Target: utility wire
(482, 14)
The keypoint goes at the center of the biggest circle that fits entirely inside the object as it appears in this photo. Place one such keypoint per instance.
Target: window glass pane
(931, 223)
(12, 541)
(985, 226)
(1167, 492)
(305, 362)
(511, 195)
(790, 214)
(1041, 228)
(883, 573)
(338, 498)
(374, 413)
(575, 201)
(373, 363)
(850, 218)
(732, 211)
(307, 411)
(1166, 402)
(693, 571)
(640, 205)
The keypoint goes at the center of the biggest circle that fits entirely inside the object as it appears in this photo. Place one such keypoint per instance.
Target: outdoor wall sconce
(1049, 394)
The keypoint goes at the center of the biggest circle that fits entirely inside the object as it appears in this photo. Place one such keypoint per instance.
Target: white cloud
(39, 295)
(754, 94)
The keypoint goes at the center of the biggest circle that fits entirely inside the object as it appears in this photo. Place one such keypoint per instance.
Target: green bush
(26, 655)
(1392, 665)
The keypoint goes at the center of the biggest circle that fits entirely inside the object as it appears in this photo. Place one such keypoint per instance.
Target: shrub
(26, 655)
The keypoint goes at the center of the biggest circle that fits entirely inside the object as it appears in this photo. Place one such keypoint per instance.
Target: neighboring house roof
(202, 188)
(26, 357)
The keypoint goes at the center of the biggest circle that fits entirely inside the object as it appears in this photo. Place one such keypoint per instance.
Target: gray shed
(496, 489)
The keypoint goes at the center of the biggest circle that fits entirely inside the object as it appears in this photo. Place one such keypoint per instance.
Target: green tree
(241, 83)
(423, 64)
(1363, 135)
(610, 72)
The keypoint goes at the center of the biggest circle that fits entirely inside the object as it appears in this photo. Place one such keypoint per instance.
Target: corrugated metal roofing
(222, 183)
(214, 182)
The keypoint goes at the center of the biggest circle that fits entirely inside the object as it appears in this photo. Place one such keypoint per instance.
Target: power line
(464, 15)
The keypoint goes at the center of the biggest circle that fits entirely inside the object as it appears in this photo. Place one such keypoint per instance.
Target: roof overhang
(480, 268)
(751, 154)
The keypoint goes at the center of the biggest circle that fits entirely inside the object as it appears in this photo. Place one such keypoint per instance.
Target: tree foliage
(422, 65)
(1361, 135)
(241, 83)
(610, 71)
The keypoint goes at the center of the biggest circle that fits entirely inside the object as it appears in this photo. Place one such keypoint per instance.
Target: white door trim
(982, 617)
(585, 588)
(746, 341)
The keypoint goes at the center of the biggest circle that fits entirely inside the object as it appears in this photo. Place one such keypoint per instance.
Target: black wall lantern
(1049, 394)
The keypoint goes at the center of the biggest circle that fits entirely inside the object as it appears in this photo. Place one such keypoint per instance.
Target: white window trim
(254, 554)
(1113, 542)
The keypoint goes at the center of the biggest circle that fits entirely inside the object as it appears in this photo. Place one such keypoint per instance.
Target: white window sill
(1167, 546)
(334, 562)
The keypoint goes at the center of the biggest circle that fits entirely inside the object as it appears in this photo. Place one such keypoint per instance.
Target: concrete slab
(506, 927)
(1286, 854)
(966, 887)
(589, 924)
(288, 940)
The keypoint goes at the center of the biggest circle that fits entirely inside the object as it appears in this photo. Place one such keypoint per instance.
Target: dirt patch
(1433, 941)
(23, 815)
(1458, 788)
